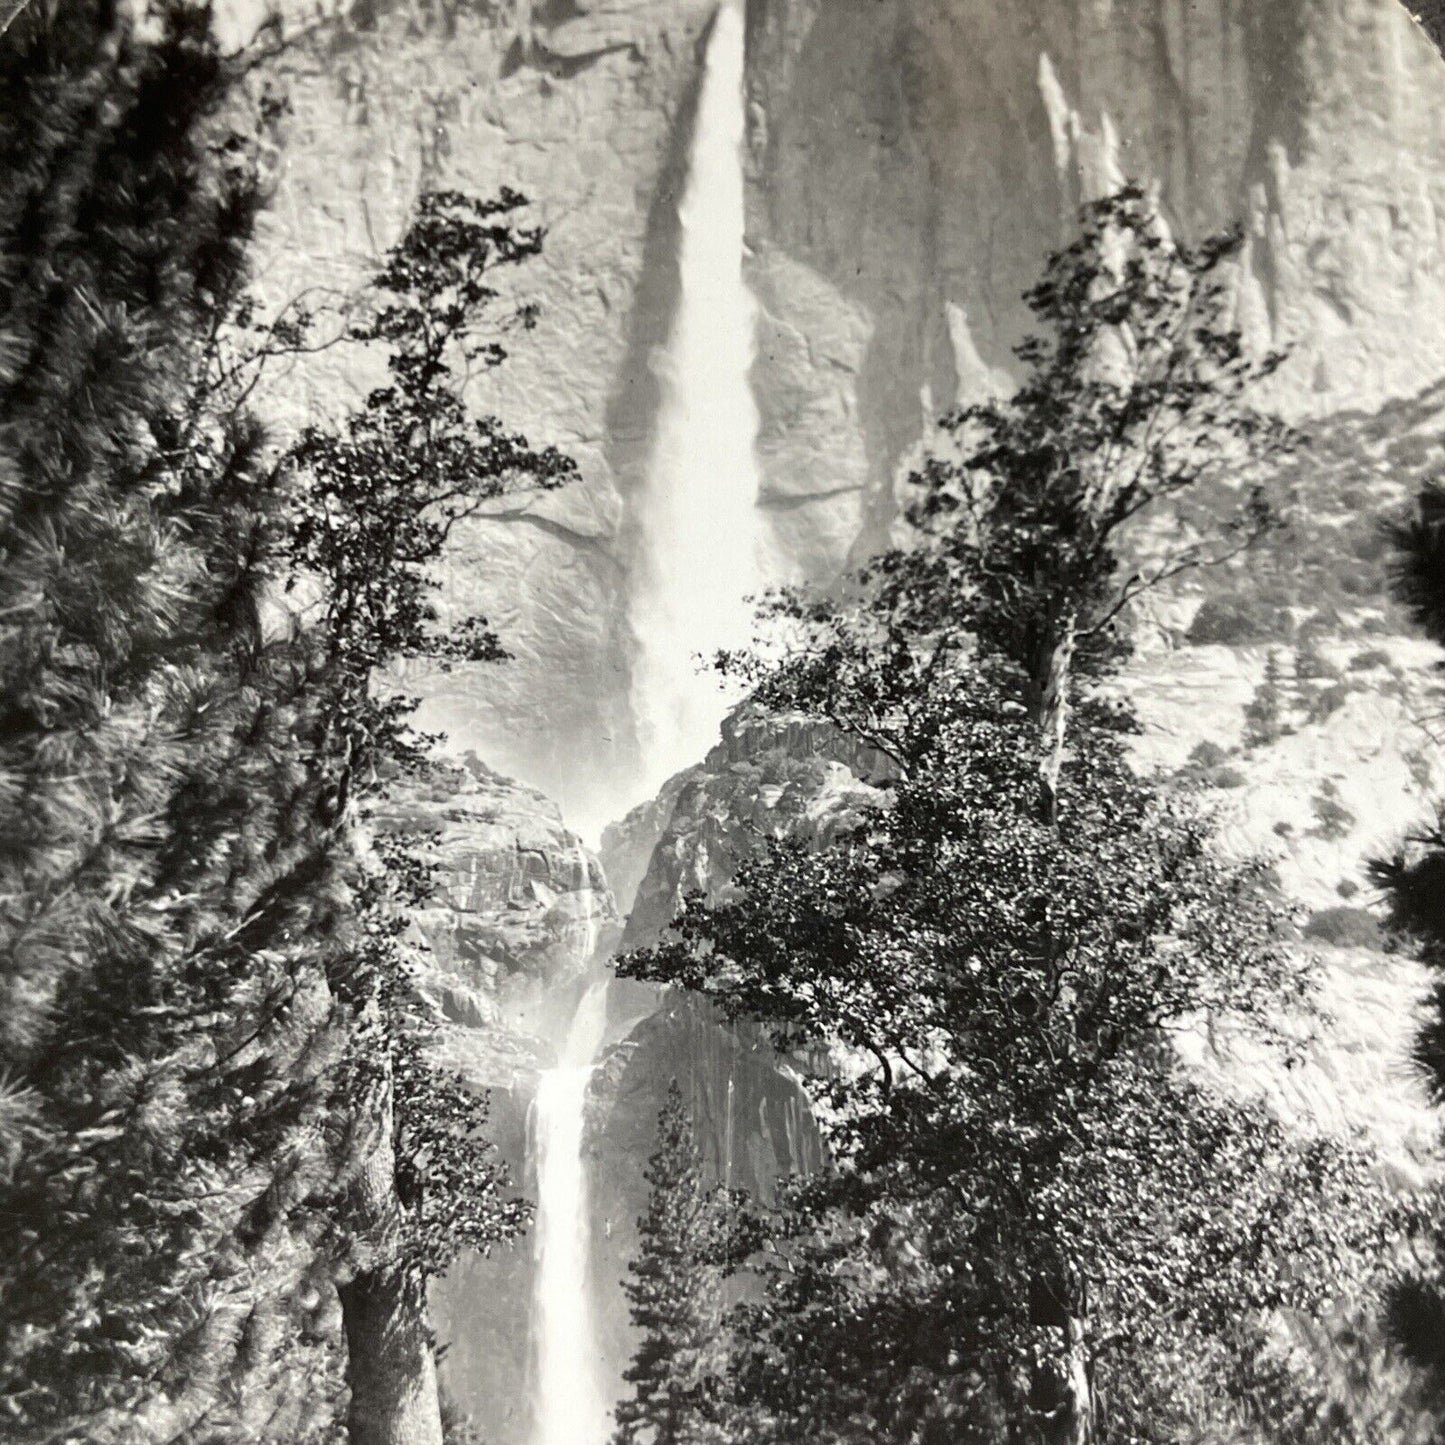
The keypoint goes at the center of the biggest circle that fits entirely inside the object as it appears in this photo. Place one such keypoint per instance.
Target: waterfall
(697, 519)
(571, 1405)
(697, 532)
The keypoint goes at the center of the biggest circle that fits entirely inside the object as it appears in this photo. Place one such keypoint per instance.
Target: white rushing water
(570, 1404)
(697, 531)
(698, 517)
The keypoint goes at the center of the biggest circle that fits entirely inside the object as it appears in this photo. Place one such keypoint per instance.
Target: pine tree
(1264, 712)
(166, 1040)
(1310, 662)
(214, 1057)
(1413, 882)
(675, 1290)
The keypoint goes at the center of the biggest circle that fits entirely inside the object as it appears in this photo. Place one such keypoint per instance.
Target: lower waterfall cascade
(570, 1404)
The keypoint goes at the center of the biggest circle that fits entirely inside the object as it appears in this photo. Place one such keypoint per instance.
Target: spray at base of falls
(697, 520)
(570, 1403)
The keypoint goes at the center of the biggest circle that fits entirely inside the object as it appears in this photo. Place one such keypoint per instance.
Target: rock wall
(767, 778)
(521, 911)
(910, 163)
(520, 916)
(913, 160)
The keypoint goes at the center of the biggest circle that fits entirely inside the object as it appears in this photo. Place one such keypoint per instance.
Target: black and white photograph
(722, 722)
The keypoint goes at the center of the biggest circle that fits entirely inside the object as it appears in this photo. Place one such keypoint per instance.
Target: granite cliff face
(910, 163)
(914, 161)
(587, 115)
(767, 778)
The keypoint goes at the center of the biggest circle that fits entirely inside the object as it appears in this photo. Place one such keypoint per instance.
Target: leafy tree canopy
(1035, 1218)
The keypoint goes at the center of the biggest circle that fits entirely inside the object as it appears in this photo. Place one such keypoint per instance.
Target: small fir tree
(675, 1291)
(1310, 662)
(1264, 721)
(1333, 820)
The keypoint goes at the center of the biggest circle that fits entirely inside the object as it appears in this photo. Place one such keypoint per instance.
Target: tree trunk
(1061, 1399)
(1052, 691)
(1062, 1389)
(389, 1362)
(1076, 1419)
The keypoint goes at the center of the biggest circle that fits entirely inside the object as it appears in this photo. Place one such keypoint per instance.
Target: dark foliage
(1344, 928)
(1413, 883)
(206, 1017)
(1264, 714)
(1237, 621)
(675, 1292)
(1037, 1227)
(1418, 572)
(167, 1041)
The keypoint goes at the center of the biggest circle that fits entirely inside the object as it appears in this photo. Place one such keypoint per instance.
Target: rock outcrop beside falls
(766, 778)
(911, 162)
(520, 913)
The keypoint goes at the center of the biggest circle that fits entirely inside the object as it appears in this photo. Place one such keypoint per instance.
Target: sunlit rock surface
(767, 778)
(521, 909)
(1318, 802)
(918, 155)
(909, 162)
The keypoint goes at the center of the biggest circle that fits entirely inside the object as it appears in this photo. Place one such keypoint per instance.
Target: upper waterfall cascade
(697, 520)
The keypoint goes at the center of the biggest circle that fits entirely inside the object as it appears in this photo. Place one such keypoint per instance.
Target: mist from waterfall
(570, 1400)
(697, 519)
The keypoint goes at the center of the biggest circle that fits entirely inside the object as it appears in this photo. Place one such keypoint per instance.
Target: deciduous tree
(1036, 1217)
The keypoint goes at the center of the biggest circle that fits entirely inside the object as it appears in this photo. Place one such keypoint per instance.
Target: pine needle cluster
(217, 1102)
